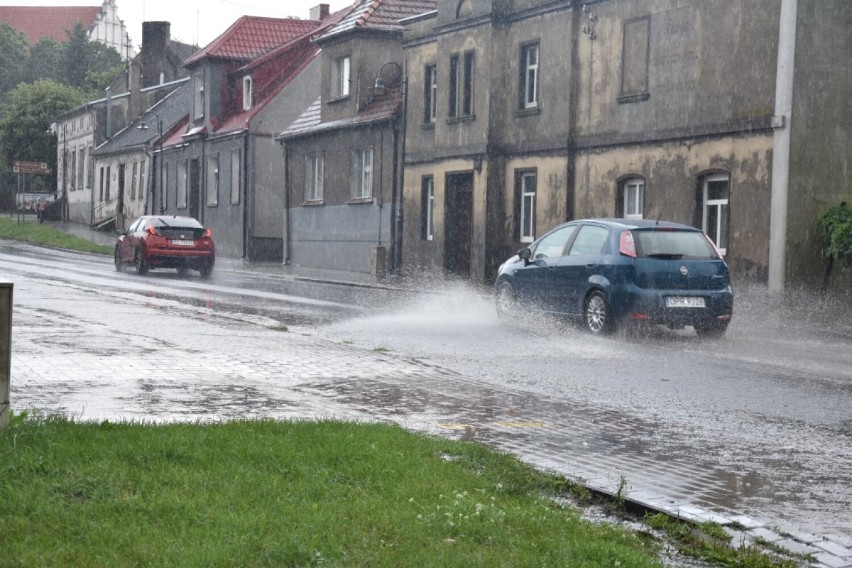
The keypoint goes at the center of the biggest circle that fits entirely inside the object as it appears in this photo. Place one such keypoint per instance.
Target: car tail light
(628, 245)
(153, 231)
(208, 233)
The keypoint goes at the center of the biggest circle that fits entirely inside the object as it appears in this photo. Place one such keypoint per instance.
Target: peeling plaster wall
(672, 172)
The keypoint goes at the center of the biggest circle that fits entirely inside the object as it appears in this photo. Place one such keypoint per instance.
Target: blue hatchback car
(611, 272)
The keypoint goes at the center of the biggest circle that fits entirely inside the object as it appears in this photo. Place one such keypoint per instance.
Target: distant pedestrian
(41, 209)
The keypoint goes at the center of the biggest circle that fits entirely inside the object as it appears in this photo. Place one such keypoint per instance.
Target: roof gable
(251, 36)
(380, 15)
(48, 21)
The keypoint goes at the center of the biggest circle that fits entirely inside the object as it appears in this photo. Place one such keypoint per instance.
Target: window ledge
(532, 111)
(336, 100)
(313, 203)
(634, 98)
(458, 119)
(427, 126)
(360, 201)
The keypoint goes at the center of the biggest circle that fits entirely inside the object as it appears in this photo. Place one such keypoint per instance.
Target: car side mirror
(525, 254)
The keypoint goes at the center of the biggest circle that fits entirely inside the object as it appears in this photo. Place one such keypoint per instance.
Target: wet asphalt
(215, 366)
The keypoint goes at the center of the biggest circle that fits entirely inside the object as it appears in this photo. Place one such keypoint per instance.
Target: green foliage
(86, 64)
(26, 115)
(28, 231)
(835, 226)
(43, 61)
(266, 493)
(13, 52)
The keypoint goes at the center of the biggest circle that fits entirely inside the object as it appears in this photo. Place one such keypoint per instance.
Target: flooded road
(759, 421)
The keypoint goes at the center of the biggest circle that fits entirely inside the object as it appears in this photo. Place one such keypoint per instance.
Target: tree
(27, 113)
(83, 61)
(43, 61)
(13, 54)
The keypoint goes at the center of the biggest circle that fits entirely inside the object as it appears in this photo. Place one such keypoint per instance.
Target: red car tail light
(208, 233)
(153, 231)
(627, 246)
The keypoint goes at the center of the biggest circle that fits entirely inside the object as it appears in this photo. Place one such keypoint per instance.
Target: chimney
(155, 45)
(320, 12)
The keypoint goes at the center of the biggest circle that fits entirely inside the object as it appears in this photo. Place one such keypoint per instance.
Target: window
(314, 165)
(164, 196)
(102, 185)
(108, 181)
(362, 178)
(340, 78)
(143, 177)
(430, 106)
(73, 170)
(180, 193)
(90, 167)
(529, 76)
(461, 86)
(213, 180)
(590, 240)
(555, 243)
(247, 92)
(133, 180)
(633, 198)
(199, 95)
(526, 185)
(634, 60)
(716, 193)
(428, 208)
(236, 176)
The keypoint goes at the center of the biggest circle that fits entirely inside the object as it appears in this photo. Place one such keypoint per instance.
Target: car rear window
(673, 244)
(175, 227)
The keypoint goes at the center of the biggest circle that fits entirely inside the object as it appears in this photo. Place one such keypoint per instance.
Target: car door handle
(591, 265)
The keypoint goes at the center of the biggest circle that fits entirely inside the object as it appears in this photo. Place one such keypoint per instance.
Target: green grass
(31, 232)
(267, 493)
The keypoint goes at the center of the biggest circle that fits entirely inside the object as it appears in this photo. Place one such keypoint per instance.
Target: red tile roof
(251, 36)
(381, 15)
(48, 21)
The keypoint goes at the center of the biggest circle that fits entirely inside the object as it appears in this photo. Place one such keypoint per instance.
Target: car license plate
(183, 243)
(684, 302)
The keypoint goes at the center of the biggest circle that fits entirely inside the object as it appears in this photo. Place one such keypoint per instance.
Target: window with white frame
(73, 170)
(526, 195)
(213, 180)
(314, 173)
(633, 197)
(143, 179)
(236, 176)
(133, 180)
(198, 80)
(362, 173)
(461, 85)
(529, 77)
(108, 182)
(716, 191)
(102, 185)
(340, 77)
(180, 193)
(430, 106)
(247, 92)
(428, 208)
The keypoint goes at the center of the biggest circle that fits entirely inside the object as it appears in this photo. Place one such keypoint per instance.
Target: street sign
(30, 168)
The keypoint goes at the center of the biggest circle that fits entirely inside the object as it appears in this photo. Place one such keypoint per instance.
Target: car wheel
(205, 271)
(507, 301)
(711, 330)
(597, 315)
(181, 271)
(117, 259)
(139, 262)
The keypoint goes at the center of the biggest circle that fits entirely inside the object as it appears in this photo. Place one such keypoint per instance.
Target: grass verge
(31, 232)
(269, 493)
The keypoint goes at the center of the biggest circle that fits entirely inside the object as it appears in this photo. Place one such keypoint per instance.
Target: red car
(164, 241)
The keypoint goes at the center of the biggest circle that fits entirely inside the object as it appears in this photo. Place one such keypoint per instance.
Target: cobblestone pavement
(155, 360)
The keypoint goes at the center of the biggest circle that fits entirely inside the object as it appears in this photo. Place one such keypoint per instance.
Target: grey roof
(171, 109)
(379, 15)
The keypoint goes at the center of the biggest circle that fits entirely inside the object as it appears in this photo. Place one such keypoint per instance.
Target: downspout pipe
(399, 175)
(784, 84)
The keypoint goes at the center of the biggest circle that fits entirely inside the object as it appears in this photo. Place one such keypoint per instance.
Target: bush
(835, 226)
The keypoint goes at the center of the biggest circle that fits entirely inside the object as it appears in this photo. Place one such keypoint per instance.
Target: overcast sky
(193, 21)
